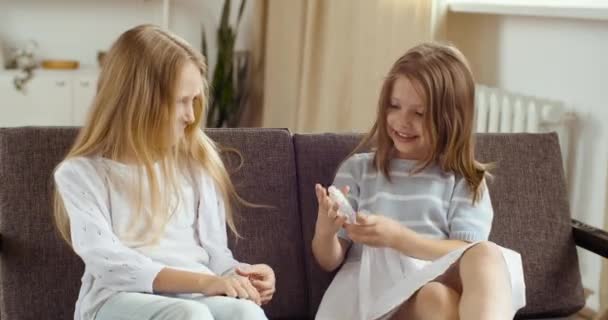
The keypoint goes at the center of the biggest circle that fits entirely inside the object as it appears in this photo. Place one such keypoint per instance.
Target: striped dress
(373, 282)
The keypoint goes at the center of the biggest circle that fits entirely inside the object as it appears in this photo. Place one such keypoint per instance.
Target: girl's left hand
(375, 231)
(262, 277)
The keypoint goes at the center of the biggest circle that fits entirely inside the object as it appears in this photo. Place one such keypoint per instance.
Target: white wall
(77, 29)
(562, 59)
(188, 17)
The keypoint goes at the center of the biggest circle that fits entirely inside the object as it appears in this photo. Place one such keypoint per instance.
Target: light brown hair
(441, 75)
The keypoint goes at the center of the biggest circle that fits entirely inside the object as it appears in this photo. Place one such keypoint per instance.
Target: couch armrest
(590, 238)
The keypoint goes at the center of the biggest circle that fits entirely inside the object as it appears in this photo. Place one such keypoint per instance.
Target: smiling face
(405, 121)
(426, 112)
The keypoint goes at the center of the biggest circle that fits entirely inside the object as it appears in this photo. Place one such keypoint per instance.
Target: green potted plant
(228, 87)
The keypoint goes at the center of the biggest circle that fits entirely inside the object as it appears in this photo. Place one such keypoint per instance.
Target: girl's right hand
(329, 220)
(234, 286)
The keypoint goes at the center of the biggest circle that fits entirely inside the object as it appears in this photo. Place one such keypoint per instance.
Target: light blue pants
(142, 306)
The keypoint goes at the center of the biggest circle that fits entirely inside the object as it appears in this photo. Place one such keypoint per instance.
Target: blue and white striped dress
(373, 282)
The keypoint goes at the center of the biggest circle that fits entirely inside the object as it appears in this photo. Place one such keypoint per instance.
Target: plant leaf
(225, 14)
(204, 44)
(241, 10)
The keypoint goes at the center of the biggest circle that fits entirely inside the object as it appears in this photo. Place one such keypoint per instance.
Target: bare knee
(484, 253)
(433, 301)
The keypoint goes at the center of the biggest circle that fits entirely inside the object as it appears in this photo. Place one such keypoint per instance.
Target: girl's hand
(329, 220)
(262, 278)
(376, 231)
(234, 286)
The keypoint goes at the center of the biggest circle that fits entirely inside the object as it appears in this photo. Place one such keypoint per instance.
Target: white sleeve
(212, 227)
(111, 263)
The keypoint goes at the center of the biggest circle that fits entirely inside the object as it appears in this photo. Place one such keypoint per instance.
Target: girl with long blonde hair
(144, 198)
(422, 252)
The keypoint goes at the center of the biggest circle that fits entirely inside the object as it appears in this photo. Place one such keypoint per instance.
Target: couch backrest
(317, 158)
(529, 199)
(271, 235)
(40, 275)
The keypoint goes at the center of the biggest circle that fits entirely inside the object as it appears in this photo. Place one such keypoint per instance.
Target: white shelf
(591, 10)
(85, 70)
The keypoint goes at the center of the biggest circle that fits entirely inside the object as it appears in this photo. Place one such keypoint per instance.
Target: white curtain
(325, 60)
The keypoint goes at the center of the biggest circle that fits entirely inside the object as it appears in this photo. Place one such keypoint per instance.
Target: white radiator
(497, 110)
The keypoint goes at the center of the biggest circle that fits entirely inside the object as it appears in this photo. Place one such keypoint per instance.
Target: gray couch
(39, 274)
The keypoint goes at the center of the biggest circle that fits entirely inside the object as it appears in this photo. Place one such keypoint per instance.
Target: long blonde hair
(443, 78)
(133, 113)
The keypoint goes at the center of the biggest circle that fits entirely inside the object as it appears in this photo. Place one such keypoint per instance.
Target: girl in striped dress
(419, 247)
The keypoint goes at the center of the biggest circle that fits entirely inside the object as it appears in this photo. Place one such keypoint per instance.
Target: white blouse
(100, 213)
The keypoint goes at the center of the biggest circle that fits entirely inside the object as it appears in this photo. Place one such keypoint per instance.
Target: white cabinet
(50, 98)
(14, 106)
(48, 101)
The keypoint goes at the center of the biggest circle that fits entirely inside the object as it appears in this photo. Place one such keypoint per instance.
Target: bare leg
(486, 290)
(434, 301)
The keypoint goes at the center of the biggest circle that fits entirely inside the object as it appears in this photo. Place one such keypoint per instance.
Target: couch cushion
(317, 159)
(40, 275)
(272, 236)
(529, 199)
(532, 216)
